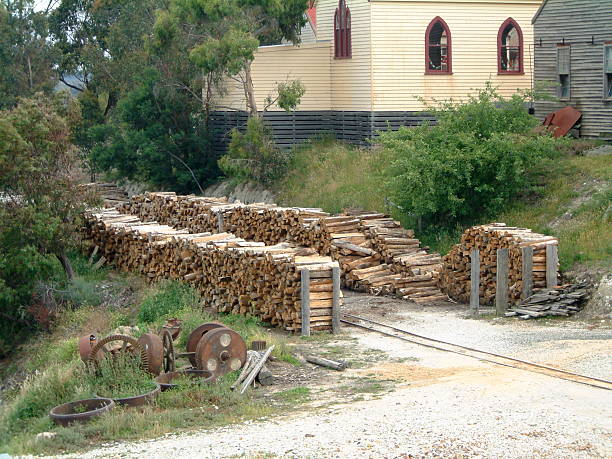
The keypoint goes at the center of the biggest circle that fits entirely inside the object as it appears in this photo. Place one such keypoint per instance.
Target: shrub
(252, 155)
(168, 299)
(478, 156)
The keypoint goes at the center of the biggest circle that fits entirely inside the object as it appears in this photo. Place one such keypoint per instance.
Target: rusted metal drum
(221, 351)
(72, 412)
(154, 348)
(139, 400)
(174, 326)
(86, 343)
(196, 335)
(165, 380)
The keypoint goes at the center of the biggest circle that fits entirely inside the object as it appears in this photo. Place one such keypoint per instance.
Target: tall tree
(26, 55)
(101, 44)
(222, 36)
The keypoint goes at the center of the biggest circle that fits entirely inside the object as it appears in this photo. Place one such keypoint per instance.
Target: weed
(166, 300)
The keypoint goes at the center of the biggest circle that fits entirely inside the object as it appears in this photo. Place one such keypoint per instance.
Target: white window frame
(567, 72)
(607, 73)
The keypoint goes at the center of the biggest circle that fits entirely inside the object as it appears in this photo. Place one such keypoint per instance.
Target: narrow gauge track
(394, 332)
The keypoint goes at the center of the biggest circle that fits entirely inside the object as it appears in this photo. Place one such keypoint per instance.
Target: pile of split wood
(111, 194)
(565, 300)
(455, 273)
(232, 274)
(374, 252)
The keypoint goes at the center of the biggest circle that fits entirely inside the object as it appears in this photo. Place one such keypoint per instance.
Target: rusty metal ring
(169, 358)
(99, 346)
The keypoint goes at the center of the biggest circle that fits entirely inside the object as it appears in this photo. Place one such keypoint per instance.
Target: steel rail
(479, 354)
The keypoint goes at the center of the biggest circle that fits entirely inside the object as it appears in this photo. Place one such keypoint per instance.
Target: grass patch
(56, 374)
(334, 176)
(570, 199)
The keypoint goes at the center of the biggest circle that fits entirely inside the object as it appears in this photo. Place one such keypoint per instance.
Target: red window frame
(343, 48)
(500, 46)
(444, 25)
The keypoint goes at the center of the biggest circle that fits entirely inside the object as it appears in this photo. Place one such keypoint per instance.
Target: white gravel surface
(516, 416)
(443, 405)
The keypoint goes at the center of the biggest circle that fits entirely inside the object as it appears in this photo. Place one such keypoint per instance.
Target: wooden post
(305, 302)
(336, 299)
(552, 264)
(527, 253)
(501, 287)
(475, 281)
(220, 224)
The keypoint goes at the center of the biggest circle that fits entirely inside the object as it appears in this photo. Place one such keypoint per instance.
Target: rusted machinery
(211, 347)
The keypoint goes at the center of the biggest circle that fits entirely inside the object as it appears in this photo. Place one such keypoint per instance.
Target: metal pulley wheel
(154, 348)
(169, 359)
(196, 335)
(113, 345)
(221, 351)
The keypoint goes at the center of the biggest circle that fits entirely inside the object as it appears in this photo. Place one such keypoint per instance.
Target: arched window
(342, 32)
(438, 47)
(510, 47)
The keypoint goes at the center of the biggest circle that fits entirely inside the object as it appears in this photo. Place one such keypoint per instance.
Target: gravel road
(442, 405)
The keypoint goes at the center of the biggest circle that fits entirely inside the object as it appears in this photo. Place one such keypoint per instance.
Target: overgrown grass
(188, 406)
(336, 176)
(57, 375)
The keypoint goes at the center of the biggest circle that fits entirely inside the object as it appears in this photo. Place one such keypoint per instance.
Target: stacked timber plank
(232, 274)
(564, 301)
(374, 252)
(111, 194)
(455, 274)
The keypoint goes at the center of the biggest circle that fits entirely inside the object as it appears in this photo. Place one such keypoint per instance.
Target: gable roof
(535, 16)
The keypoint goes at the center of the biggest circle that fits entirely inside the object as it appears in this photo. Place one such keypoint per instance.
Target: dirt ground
(401, 400)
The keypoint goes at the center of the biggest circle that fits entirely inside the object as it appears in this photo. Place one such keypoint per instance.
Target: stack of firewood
(232, 274)
(455, 274)
(564, 301)
(111, 194)
(374, 252)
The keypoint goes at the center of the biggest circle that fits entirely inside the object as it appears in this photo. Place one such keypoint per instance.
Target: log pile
(374, 252)
(455, 273)
(565, 301)
(111, 194)
(232, 274)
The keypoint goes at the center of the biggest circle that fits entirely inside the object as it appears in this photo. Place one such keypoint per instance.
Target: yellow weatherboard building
(369, 64)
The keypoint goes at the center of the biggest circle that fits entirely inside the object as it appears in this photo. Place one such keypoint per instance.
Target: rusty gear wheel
(221, 351)
(129, 344)
(169, 359)
(153, 346)
(196, 335)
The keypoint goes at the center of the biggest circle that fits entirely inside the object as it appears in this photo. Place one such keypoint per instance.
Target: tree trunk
(65, 261)
(250, 91)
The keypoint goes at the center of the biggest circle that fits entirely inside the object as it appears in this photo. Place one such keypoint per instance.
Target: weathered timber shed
(370, 64)
(573, 55)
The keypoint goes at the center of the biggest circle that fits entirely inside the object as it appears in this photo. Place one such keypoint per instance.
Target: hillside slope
(571, 198)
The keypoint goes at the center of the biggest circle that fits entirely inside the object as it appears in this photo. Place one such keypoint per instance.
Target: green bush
(479, 156)
(167, 300)
(252, 155)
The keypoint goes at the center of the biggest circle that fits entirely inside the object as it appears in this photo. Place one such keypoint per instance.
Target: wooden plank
(527, 268)
(552, 264)
(305, 297)
(475, 281)
(501, 287)
(336, 300)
